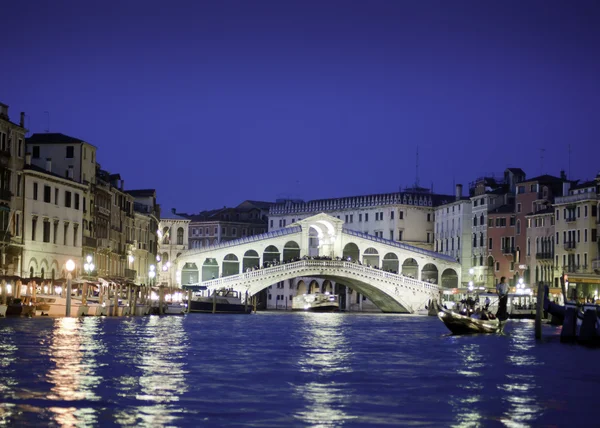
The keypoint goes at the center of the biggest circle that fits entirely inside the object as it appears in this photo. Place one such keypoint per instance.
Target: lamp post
(70, 266)
(88, 267)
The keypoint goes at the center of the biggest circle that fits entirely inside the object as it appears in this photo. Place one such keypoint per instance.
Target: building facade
(144, 247)
(539, 250)
(576, 237)
(53, 218)
(12, 160)
(172, 242)
(453, 229)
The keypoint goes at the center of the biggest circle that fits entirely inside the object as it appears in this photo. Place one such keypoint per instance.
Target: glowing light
(151, 274)
(152, 267)
(8, 288)
(92, 267)
(157, 258)
(168, 264)
(471, 271)
(88, 259)
(521, 281)
(70, 265)
(165, 268)
(130, 258)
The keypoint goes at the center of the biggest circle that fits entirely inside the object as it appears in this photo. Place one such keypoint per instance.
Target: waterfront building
(73, 159)
(12, 159)
(453, 229)
(53, 218)
(142, 239)
(576, 236)
(172, 242)
(488, 194)
(225, 224)
(539, 250)
(501, 243)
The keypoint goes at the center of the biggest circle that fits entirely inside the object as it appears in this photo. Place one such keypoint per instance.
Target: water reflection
(8, 380)
(161, 348)
(470, 365)
(73, 351)
(326, 353)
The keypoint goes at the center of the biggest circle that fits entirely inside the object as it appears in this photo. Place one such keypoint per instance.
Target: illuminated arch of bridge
(395, 276)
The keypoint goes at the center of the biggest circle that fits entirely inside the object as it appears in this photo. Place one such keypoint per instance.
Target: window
(17, 224)
(20, 148)
(578, 212)
(585, 211)
(428, 237)
(46, 236)
(497, 266)
(594, 235)
(401, 215)
(70, 152)
(36, 152)
(351, 218)
(35, 191)
(392, 235)
(346, 218)
(55, 232)
(360, 217)
(33, 227)
(475, 221)
(400, 235)
(518, 227)
(65, 231)
(367, 216)
(519, 207)
(481, 239)
(557, 215)
(392, 215)
(429, 216)
(180, 235)
(490, 243)
(271, 224)
(67, 199)
(585, 235)
(75, 228)
(47, 195)
(18, 184)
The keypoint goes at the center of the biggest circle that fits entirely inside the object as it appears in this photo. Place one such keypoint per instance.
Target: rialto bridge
(395, 276)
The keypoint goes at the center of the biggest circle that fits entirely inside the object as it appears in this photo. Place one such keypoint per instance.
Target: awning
(581, 279)
(194, 287)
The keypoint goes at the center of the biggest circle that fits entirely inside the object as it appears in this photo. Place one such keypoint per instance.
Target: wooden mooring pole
(214, 310)
(539, 310)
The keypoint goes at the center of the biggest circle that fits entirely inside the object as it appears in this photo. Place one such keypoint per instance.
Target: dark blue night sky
(212, 103)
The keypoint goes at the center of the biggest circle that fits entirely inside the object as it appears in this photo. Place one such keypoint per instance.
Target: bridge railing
(399, 245)
(266, 272)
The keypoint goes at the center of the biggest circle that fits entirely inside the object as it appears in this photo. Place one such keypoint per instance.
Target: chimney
(458, 192)
(22, 121)
(173, 211)
(122, 185)
(563, 175)
(27, 158)
(49, 164)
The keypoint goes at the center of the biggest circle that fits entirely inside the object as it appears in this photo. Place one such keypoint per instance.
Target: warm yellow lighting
(70, 265)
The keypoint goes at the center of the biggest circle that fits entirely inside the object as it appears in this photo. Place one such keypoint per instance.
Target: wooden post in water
(189, 299)
(246, 302)
(214, 301)
(539, 310)
(116, 302)
(4, 292)
(84, 294)
(254, 302)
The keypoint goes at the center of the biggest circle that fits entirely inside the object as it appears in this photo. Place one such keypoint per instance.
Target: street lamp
(70, 266)
(89, 266)
(152, 273)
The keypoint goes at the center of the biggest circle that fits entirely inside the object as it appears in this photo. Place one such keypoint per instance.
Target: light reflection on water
(286, 369)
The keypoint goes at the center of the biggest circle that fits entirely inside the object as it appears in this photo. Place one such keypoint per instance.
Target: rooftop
(504, 209)
(142, 192)
(53, 138)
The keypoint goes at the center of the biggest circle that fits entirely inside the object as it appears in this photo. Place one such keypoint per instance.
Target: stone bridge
(395, 276)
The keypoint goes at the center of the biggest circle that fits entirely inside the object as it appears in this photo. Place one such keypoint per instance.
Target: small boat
(223, 301)
(16, 307)
(3, 309)
(316, 302)
(462, 324)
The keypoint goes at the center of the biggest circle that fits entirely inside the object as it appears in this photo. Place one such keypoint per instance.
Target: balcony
(508, 250)
(90, 242)
(5, 194)
(570, 199)
(103, 243)
(4, 157)
(130, 274)
(570, 245)
(577, 269)
(570, 219)
(544, 256)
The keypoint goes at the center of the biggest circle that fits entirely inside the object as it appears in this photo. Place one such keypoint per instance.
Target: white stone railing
(411, 283)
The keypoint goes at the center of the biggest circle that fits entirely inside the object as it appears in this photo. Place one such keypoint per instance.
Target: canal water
(289, 369)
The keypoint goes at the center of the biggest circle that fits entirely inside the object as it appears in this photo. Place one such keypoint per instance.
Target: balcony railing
(576, 198)
(544, 256)
(88, 241)
(570, 219)
(570, 245)
(577, 269)
(508, 250)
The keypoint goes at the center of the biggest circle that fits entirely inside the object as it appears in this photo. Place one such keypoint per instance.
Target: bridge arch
(189, 274)
(351, 252)
(449, 278)
(390, 262)
(429, 273)
(271, 255)
(291, 251)
(231, 265)
(210, 269)
(410, 267)
(327, 287)
(314, 287)
(371, 257)
(301, 288)
(251, 260)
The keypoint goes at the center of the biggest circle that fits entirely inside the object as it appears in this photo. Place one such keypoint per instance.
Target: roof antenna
(48, 128)
(417, 169)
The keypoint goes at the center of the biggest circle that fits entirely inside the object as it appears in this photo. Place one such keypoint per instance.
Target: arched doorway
(351, 252)
(371, 257)
(231, 265)
(429, 273)
(313, 287)
(327, 287)
(291, 251)
(189, 274)
(390, 263)
(164, 258)
(210, 269)
(449, 278)
(250, 261)
(301, 288)
(410, 267)
(271, 255)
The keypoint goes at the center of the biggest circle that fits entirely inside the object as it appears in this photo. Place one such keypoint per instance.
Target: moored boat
(316, 302)
(462, 324)
(223, 301)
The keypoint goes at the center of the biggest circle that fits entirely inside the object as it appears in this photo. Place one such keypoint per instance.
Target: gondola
(462, 324)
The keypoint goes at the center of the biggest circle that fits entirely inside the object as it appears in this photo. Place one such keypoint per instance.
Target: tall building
(576, 237)
(12, 159)
(539, 251)
(453, 229)
(142, 238)
(53, 216)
